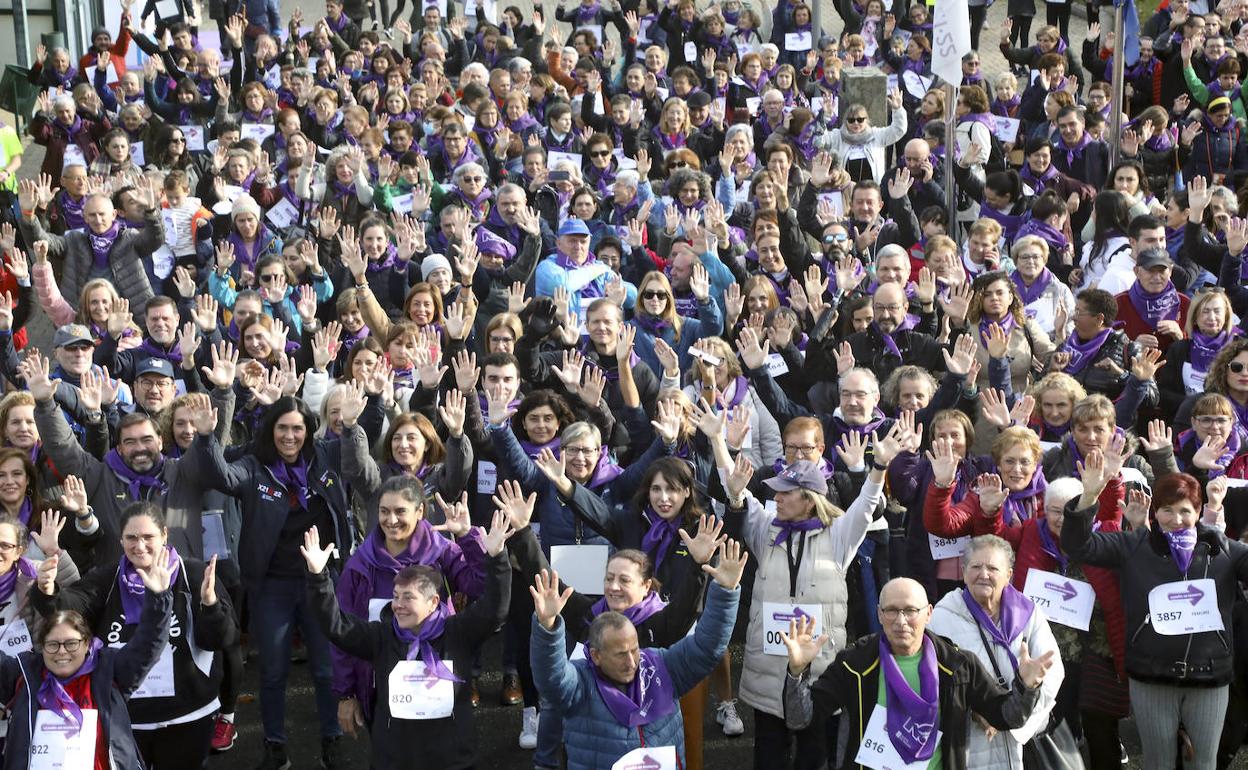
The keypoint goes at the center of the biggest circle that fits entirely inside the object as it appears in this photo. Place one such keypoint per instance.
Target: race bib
(691, 52)
(581, 566)
(947, 547)
(797, 41)
(596, 29)
(1193, 380)
(258, 131)
(53, 747)
(283, 214)
(1005, 129)
(194, 138)
(876, 750)
(1185, 607)
(375, 606)
(776, 365)
(1063, 600)
(776, 617)
(648, 758)
(554, 157)
(15, 638)
(73, 156)
(159, 680)
(415, 693)
(752, 103)
(137, 155)
(487, 477)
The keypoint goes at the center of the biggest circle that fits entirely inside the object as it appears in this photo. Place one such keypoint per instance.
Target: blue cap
(159, 366)
(573, 226)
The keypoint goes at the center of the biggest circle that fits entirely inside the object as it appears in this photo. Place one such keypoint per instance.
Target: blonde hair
(1013, 437)
(669, 313)
(1198, 304)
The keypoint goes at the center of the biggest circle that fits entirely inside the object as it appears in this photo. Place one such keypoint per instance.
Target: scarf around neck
(138, 483)
(420, 644)
(54, 697)
(131, 589)
(911, 717)
(1015, 613)
(1155, 308)
(649, 697)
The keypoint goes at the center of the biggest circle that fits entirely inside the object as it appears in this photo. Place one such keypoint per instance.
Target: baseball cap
(802, 474)
(159, 366)
(573, 226)
(72, 334)
(1154, 258)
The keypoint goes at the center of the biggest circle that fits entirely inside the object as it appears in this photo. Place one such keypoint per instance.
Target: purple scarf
(1073, 152)
(385, 262)
(889, 342)
(419, 646)
(1188, 441)
(424, 547)
(8, 582)
(1182, 543)
(102, 243)
(1030, 294)
(1049, 546)
(1015, 507)
(1051, 235)
(53, 696)
(294, 478)
(1015, 611)
(131, 589)
(606, 470)
(152, 350)
(1155, 308)
(1007, 325)
(1006, 108)
(533, 450)
(1082, 353)
(137, 482)
(787, 528)
(1010, 223)
(249, 255)
(912, 717)
(1205, 348)
(660, 537)
(650, 696)
(637, 614)
(72, 210)
(1039, 182)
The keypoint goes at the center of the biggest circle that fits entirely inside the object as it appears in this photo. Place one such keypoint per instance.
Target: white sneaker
(528, 731)
(726, 716)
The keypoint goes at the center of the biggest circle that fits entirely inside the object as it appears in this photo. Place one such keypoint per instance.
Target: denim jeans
(277, 608)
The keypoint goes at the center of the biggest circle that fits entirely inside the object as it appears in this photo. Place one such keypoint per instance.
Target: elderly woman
(860, 146)
(68, 138)
(1046, 300)
(1210, 327)
(804, 548)
(1096, 692)
(346, 187)
(1180, 659)
(994, 620)
(1055, 397)
(1092, 426)
(470, 191)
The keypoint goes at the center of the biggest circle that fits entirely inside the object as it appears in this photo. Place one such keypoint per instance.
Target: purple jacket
(462, 564)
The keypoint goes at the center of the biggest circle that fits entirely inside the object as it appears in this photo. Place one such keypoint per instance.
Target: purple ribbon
(131, 589)
(1015, 613)
(911, 717)
(1030, 294)
(137, 482)
(8, 582)
(1015, 507)
(650, 696)
(1182, 543)
(659, 537)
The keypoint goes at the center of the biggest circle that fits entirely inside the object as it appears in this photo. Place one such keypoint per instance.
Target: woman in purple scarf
(1210, 327)
(1207, 449)
(402, 537)
(113, 598)
(1016, 489)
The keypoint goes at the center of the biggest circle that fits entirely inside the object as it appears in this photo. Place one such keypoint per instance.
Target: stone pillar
(867, 86)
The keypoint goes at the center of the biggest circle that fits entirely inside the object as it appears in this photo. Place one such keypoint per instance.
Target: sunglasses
(270, 277)
(600, 154)
(862, 119)
(678, 164)
(1237, 367)
(651, 294)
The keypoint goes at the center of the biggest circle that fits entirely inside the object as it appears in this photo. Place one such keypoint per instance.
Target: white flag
(951, 39)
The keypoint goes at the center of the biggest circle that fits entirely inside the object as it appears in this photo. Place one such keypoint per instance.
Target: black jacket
(448, 743)
(852, 684)
(1144, 562)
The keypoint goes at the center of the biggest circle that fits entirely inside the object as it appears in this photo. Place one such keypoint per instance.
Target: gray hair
(988, 542)
(1062, 490)
(607, 621)
(870, 375)
(739, 128)
(578, 430)
(466, 168)
(628, 179)
(64, 101)
(890, 250)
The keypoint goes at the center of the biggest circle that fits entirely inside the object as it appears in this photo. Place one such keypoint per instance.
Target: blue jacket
(709, 323)
(592, 736)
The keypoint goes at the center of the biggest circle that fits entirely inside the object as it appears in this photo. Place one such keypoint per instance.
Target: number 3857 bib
(1185, 607)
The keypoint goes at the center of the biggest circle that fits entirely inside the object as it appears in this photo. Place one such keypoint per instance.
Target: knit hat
(431, 263)
(245, 204)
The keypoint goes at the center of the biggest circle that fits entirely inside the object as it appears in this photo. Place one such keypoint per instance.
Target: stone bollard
(867, 86)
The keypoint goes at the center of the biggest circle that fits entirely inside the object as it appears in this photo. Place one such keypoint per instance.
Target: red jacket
(1134, 325)
(117, 57)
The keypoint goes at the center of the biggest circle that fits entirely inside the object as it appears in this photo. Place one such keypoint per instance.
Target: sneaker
(511, 695)
(476, 693)
(726, 716)
(528, 731)
(1122, 754)
(331, 754)
(223, 735)
(274, 757)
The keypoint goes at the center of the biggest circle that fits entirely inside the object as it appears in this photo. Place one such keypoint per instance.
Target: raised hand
(739, 478)
(314, 555)
(1208, 456)
(593, 383)
(35, 370)
(991, 493)
(963, 355)
(1159, 436)
(47, 538)
(1031, 671)
(703, 546)
(732, 559)
(208, 588)
(668, 425)
(944, 462)
(1135, 509)
(993, 407)
(158, 576)
(46, 577)
(511, 501)
(497, 535)
(1145, 365)
(752, 355)
(547, 601)
(852, 449)
(453, 410)
(801, 644)
(885, 449)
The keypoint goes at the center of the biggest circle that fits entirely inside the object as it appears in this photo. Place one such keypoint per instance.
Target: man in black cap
(114, 61)
(707, 139)
(1152, 310)
(154, 387)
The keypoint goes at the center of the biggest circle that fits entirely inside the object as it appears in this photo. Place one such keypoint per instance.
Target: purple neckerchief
(606, 470)
(248, 255)
(418, 644)
(1205, 348)
(1189, 442)
(137, 482)
(1155, 308)
(8, 582)
(1082, 353)
(152, 350)
(511, 233)
(1049, 545)
(1030, 294)
(603, 178)
(1241, 412)
(425, 546)
(294, 478)
(102, 243)
(982, 118)
(552, 142)
(787, 528)
(1076, 457)
(686, 304)
(533, 450)
(805, 141)
(523, 122)
(877, 419)
(1163, 141)
(1182, 543)
(1007, 108)
(889, 342)
(911, 721)
(475, 204)
(1007, 325)
(71, 210)
(637, 614)
(342, 191)
(652, 324)
(668, 141)
(660, 537)
(1015, 613)
(385, 262)
(587, 14)
(650, 696)
(1010, 223)
(53, 696)
(1039, 182)
(740, 389)
(1015, 506)
(1049, 432)
(130, 587)
(564, 261)
(1051, 235)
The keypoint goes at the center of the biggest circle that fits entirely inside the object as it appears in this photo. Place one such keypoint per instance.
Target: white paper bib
(776, 617)
(1063, 600)
(1185, 607)
(876, 750)
(159, 681)
(52, 747)
(947, 547)
(648, 758)
(413, 697)
(15, 638)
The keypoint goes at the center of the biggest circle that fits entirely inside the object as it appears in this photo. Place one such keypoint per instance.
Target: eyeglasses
(1237, 367)
(652, 294)
(859, 119)
(580, 451)
(270, 277)
(1206, 421)
(600, 154)
(801, 449)
(53, 646)
(677, 164)
(1031, 256)
(7, 548)
(502, 340)
(905, 613)
(472, 179)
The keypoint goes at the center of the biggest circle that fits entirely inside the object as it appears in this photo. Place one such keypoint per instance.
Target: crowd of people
(427, 341)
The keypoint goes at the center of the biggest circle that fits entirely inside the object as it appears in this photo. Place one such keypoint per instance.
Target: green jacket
(1200, 92)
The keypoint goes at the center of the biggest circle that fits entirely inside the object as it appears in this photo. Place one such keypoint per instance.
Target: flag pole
(951, 197)
(1115, 123)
